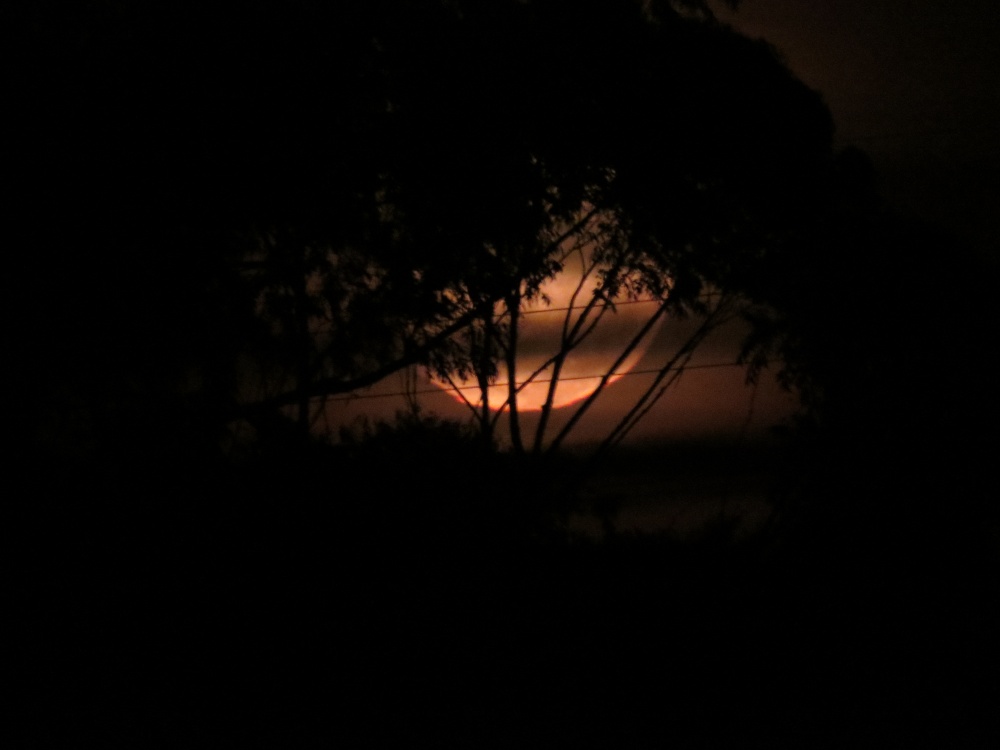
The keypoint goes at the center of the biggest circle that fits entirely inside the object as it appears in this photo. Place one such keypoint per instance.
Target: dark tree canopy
(335, 188)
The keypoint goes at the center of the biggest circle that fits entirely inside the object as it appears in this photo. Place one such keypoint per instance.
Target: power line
(444, 389)
(704, 296)
(581, 307)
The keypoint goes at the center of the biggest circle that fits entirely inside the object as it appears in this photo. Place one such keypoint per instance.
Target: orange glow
(539, 336)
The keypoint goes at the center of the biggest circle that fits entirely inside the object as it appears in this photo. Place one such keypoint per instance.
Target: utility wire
(705, 296)
(581, 307)
(500, 384)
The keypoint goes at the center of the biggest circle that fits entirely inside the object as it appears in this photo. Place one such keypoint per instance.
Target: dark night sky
(915, 84)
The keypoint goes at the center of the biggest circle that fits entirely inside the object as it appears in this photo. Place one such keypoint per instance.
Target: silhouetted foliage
(878, 321)
(309, 198)
(222, 214)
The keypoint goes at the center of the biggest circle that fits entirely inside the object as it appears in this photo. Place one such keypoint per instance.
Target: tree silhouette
(878, 335)
(230, 215)
(683, 157)
(254, 211)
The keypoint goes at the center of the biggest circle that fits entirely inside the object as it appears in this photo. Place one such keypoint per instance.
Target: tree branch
(585, 406)
(646, 401)
(333, 386)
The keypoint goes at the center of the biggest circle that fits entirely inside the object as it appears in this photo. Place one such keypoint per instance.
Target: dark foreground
(320, 605)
